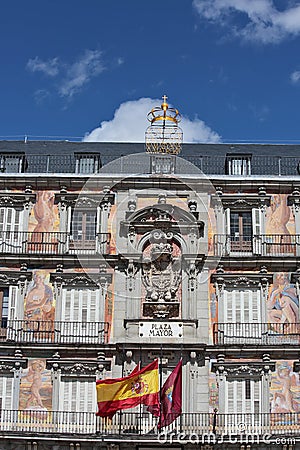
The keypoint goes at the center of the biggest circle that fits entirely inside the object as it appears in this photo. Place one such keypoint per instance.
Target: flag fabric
(136, 369)
(140, 387)
(170, 398)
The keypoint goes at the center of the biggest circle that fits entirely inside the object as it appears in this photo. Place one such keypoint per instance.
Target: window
(243, 396)
(238, 164)
(10, 224)
(12, 163)
(243, 228)
(87, 162)
(81, 315)
(4, 305)
(78, 396)
(84, 225)
(6, 392)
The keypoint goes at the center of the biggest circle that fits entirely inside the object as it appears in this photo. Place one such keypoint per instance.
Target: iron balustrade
(206, 426)
(259, 244)
(256, 333)
(86, 163)
(53, 242)
(55, 332)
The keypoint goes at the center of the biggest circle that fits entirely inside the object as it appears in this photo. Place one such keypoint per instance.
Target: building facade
(111, 256)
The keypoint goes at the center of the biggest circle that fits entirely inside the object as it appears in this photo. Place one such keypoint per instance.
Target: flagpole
(121, 411)
(140, 420)
(160, 382)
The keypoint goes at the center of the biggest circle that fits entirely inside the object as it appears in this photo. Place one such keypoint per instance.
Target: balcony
(262, 245)
(55, 332)
(208, 428)
(52, 243)
(256, 333)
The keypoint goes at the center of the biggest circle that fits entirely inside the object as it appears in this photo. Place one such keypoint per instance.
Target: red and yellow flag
(121, 393)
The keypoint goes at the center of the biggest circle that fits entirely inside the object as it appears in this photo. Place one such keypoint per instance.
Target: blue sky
(94, 68)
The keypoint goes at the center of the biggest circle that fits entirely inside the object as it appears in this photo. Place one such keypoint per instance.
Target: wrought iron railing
(54, 242)
(209, 164)
(208, 428)
(55, 332)
(256, 333)
(260, 244)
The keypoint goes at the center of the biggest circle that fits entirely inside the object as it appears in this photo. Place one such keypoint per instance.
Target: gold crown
(164, 114)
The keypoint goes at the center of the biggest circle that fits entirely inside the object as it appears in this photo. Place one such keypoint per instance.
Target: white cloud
(264, 22)
(70, 78)
(295, 76)
(130, 122)
(81, 72)
(49, 67)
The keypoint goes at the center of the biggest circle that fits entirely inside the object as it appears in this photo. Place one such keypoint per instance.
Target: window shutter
(6, 392)
(242, 306)
(12, 308)
(77, 395)
(235, 395)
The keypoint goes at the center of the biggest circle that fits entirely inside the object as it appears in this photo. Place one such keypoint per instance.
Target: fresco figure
(39, 300)
(279, 215)
(283, 304)
(41, 240)
(286, 390)
(34, 375)
(43, 211)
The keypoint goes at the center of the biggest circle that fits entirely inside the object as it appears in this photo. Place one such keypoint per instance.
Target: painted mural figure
(35, 377)
(39, 300)
(286, 388)
(43, 211)
(279, 226)
(44, 214)
(283, 304)
(279, 215)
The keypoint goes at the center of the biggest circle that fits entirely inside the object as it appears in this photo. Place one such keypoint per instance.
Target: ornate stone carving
(237, 370)
(246, 280)
(15, 278)
(11, 365)
(70, 367)
(17, 200)
(84, 201)
(162, 273)
(161, 277)
(80, 279)
(241, 201)
(293, 201)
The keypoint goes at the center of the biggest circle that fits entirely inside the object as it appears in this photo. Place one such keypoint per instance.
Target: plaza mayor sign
(161, 329)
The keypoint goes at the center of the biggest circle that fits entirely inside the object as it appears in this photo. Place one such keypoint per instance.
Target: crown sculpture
(164, 135)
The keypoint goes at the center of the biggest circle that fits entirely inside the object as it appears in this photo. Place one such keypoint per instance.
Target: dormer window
(238, 164)
(87, 162)
(12, 162)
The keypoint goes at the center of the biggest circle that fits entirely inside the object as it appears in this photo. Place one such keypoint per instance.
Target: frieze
(241, 201)
(89, 367)
(237, 370)
(84, 201)
(15, 278)
(17, 200)
(10, 365)
(94, 280)
(240, 280)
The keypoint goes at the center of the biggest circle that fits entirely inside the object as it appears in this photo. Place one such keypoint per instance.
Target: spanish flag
(139, 387)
